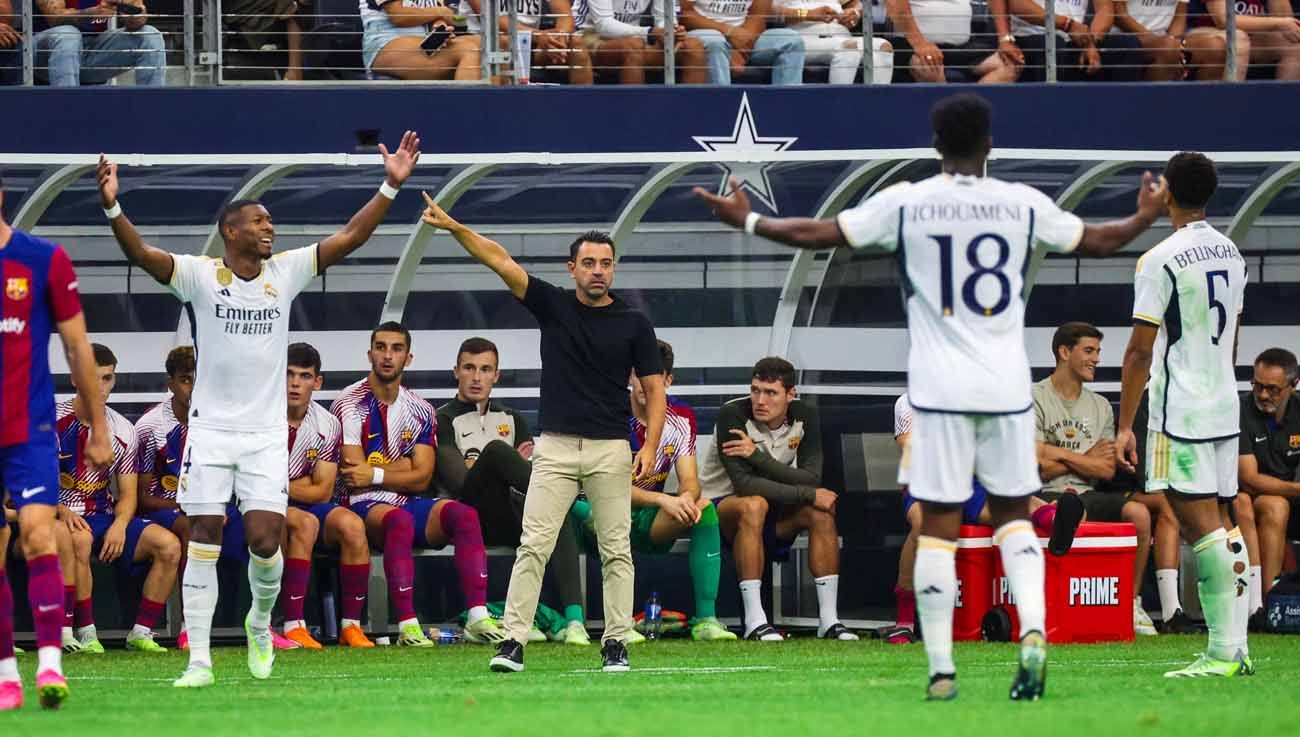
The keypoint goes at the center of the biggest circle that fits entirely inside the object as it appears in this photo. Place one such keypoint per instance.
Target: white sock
(9, 669)
(477, 613)
(1241, 575)
(405, 622)
(828, 588)
(293, 624)
(935, 583)
(1216, 586)
(49, 658)
(1256, 589)
(751, 594)
(199, 600)
(1167, 585)
(87, 633)
(67, 634)
(264, 576)
(351, 623)
(1022, 559)
(140, 630)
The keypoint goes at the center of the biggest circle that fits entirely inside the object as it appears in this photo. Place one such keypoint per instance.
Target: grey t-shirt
(1074, 425)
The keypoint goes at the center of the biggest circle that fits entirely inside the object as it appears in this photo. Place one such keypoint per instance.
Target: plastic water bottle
(445, 636)
(654, 620)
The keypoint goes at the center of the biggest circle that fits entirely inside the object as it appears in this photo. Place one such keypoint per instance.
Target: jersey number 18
(978, 271)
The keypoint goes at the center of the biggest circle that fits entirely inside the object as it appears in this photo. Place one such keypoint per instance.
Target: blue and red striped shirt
(40, 291)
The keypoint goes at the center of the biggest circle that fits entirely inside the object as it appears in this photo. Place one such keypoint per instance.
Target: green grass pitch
(802, 687)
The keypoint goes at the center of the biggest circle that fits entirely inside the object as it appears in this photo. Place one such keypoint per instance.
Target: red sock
(906, 602)
(6, 617)
(399, 564)
(45, 594)
(1044, 517)
(85, 612)
(149, 612)
(69, 605)
(354, 582)
(293, 587)
(460, 522)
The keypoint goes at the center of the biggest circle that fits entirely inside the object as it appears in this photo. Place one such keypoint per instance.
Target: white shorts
(948, 449)
(252, 466)
(1202, 469)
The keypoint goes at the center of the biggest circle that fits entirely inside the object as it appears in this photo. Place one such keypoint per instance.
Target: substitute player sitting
(764, 475)
(314, 439)
(387, 464)
(118, 536)
(658, 519)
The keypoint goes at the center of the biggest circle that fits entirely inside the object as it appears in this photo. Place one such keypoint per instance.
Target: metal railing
(204, 45)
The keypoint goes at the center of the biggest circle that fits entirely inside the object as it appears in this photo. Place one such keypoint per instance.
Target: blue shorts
(970, 511)
(233, 545)
(419, 507)
(99, 524)
(773, 546)
(30, 473)
(320, 512)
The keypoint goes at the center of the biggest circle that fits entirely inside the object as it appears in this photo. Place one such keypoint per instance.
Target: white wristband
(751, 222)
(113, 211)
(378, 476)
(388, 191)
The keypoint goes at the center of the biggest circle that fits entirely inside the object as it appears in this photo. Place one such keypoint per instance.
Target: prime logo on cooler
(1094, 591)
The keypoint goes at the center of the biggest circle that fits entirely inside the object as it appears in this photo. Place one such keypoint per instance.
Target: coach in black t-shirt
(591, 342)
(1266, 465)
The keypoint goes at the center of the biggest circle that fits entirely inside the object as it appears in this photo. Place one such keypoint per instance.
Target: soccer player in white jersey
(1187, 299)
(238, 442)
(963, 241)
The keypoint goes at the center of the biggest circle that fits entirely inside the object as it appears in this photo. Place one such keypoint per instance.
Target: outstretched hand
(106, 175)
(399, 164)
(731, 209)
(434, 215)
(1151, 195)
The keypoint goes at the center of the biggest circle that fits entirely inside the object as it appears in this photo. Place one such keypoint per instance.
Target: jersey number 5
(1215, 304)
(978, 271)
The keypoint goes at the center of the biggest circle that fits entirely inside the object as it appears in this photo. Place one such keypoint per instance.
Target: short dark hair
(666, 356)
(474, 346)
(103, 356)
(180, 360)
(392, 326)
(775, 368)
(962, 124)
(304, 355)
(1281, 358)
(1068, 335)
(591, 236)
(1192, 179)
(232, 209)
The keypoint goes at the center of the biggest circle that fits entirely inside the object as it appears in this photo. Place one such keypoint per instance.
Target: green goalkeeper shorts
(643, 519)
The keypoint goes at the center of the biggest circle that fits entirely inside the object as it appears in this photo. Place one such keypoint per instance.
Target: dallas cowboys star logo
(752, 176)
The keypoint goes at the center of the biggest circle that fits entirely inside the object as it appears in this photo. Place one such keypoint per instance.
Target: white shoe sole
(505, 665)
(616, 668)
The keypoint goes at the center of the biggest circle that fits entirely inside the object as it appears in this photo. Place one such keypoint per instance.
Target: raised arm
(155, 261)
(1107, 238)
(484, 250)
(810, 233)
(397, 168)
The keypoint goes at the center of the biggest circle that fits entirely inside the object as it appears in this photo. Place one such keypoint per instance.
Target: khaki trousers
(561, 465)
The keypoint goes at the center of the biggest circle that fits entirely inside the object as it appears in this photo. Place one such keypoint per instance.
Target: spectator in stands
(1272, 28)
(827, 30)
(764, 475)
(736, 36)
(11, 45)
(74, 44)
(258, 22)
(936, 42)
(483, 457)
(1083, 50)
(620, 41)
(1159, 25)
(1266, 466)
(555, 44)
(1076, 448)
(394, 30)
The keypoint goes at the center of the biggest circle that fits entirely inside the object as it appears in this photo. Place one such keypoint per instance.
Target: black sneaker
(943, 687)
(1069, 513)
(1180, 624)
(766, 633)
(613, 657)
(509, 658)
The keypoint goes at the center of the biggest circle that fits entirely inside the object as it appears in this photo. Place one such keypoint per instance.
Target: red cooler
(976, 564)
(1089, 590)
